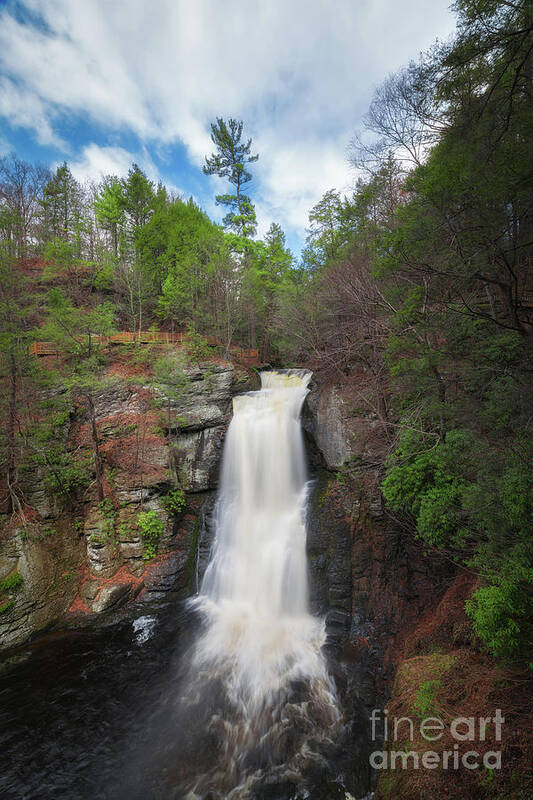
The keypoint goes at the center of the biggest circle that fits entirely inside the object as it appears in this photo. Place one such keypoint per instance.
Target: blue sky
(101, 84)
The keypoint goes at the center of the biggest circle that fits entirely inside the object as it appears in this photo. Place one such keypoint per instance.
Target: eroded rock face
(113, 595)
(196, 457)
(102, 551)
(199, 420)
(47, 563)
(344, 423)
(324, 419)
(328, 552)
(143, 461)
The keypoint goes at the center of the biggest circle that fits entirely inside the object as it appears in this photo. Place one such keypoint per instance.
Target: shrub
(501, 613)
(70, 477)
(424, 702)
(197, 347)
(474, 498)
(174, 501)
(12, 583)
(151, 528)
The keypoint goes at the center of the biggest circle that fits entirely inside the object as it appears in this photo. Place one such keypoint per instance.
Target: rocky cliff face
(389, 581)
(78, 563)
(395, 615)
(368, 577)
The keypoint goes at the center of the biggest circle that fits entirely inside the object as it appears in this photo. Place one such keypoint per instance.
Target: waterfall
(260, 644)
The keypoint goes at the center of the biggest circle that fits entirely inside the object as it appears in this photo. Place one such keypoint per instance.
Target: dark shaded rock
(48, 566)
(329, 551)
(164, 576)
(206, 538)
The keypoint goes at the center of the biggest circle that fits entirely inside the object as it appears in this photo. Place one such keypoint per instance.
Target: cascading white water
(260, 640)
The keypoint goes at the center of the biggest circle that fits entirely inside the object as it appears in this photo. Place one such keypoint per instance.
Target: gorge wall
(74, 566)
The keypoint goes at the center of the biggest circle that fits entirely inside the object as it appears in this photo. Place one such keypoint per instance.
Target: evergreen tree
(326, 236)
(62, 209)
(15, 317)
(76, 330)
(230, 161)
(138, 197)
(109, 206)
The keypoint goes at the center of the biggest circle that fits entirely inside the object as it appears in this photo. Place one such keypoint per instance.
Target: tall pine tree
(229, 161)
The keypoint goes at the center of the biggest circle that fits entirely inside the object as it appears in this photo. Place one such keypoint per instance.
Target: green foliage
(76, 330)
(12, 583)
(174, 501)
(104, 272)
(328, 234)
(229, 161)
(107, 524)
(197, 347)
(62, 213)
(426, 679)
(109, 208)
(137, 199)
(424, 702)
(62, 256)
(106, 507)
(182, 253)
(502, 611)
(71, 474)
(151, 527)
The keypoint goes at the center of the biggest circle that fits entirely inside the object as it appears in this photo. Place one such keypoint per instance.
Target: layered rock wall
(91, 559)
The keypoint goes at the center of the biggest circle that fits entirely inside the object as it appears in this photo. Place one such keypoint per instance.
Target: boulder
(324, 419)
(113, 595)
(88, 591)
(102, 551)
(196, 457)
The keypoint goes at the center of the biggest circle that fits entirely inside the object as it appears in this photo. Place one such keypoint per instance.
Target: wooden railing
(527, 299)
(248, 357)
(44, 349)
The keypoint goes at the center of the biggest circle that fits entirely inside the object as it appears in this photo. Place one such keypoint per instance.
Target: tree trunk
(441, 387)
(11, 459)
(96, 449)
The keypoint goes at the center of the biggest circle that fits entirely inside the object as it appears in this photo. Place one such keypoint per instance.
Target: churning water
(260, 644)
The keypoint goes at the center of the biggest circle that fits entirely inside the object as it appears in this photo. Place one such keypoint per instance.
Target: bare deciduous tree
(20, 187)
(401, 120)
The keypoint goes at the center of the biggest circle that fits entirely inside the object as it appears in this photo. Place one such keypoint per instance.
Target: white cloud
(95, 161)
(300, 72)
(24, 109)
(295, 177)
